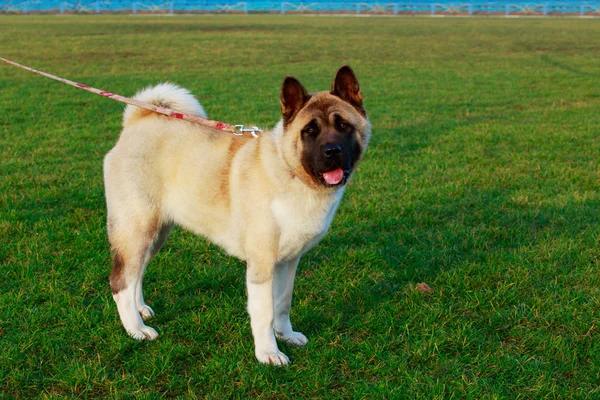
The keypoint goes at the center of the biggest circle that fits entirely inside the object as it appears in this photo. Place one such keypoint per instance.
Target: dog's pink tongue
(334, 177)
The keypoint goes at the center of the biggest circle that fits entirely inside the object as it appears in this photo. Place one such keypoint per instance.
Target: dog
(265, 200)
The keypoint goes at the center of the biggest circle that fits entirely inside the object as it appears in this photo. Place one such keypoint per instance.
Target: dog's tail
(165, 95)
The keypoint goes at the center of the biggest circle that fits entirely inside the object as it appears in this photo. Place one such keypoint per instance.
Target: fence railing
(344, 7)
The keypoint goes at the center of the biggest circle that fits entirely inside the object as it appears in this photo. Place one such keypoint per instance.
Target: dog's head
(325, 133)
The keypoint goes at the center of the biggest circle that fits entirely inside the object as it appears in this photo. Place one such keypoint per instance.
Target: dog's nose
(332, 149)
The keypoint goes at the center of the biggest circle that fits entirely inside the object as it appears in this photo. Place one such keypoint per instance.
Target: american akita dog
(265, 200)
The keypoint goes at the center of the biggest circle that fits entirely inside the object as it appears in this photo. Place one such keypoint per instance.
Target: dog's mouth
(336, 177)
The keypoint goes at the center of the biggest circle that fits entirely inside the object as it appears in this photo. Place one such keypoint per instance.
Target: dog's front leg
(283, 287)
(259, 281)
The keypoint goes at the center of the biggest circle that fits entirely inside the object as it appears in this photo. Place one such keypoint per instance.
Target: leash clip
(240, 129)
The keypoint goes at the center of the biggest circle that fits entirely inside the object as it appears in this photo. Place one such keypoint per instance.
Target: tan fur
(250, 196)
(143, 113)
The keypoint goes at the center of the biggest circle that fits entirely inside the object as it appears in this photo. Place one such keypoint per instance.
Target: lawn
(482, 180)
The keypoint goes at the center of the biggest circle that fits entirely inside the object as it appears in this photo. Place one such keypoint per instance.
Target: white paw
(295, 338)
(272, 357)
(146, 312)
(143, 333)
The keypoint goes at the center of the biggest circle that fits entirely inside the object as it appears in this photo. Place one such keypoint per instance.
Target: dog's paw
(146, 312)
(272, 357)
(143, 333)
(295, 338)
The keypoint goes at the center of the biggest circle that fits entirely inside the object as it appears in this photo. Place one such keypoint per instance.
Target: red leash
(221, 126)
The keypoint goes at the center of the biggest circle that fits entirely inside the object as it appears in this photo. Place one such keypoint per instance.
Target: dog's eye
(311, 129)
(342, 126)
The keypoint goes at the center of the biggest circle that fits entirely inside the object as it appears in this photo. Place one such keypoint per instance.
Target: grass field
(481, 180)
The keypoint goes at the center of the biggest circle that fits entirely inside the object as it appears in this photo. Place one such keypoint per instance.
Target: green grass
(481, 180)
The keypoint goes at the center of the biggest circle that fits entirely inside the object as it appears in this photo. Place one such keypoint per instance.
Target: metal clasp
(254, 130)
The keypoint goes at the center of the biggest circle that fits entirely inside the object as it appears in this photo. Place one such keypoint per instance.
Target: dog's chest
(303, 221)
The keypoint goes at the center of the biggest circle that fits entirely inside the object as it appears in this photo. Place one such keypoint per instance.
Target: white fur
(260, 308)
(130, 317)
(283, 286)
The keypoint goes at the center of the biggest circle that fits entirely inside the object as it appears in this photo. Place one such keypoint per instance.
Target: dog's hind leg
(163, 233)
(132, 240)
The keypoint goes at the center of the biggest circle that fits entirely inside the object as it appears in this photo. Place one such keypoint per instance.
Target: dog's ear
(345, 86)
(293, 97)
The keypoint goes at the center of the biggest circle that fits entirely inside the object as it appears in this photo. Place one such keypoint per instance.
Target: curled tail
(165, 95)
